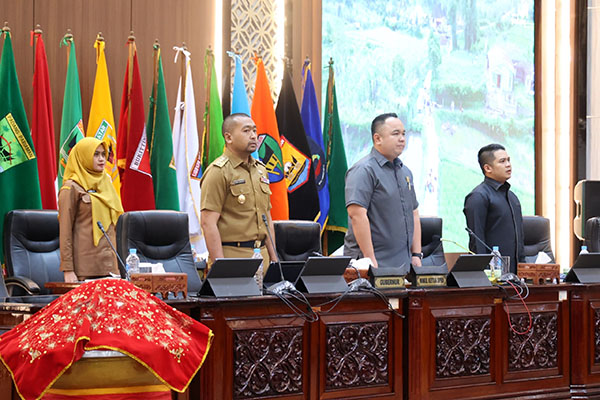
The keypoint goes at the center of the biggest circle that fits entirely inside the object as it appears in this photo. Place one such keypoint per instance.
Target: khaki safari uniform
(77, 250)
(240, 193)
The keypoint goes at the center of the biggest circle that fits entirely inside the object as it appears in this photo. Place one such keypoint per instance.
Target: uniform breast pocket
(86, 198)
(240, 193)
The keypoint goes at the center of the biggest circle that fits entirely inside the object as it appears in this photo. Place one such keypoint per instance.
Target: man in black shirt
(493, 212)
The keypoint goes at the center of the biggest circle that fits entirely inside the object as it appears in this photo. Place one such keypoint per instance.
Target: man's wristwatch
(420, 255)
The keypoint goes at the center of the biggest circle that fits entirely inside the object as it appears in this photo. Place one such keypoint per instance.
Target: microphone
(122, 269)
(282, 285)
(487, 247)
(478, 239)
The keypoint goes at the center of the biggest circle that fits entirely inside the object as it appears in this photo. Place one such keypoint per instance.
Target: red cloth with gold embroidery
(104, 314)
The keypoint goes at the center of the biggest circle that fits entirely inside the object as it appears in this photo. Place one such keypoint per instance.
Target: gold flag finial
(131, 38)
(38, 29)
(68, 35)
(99, 37)
(6, 27)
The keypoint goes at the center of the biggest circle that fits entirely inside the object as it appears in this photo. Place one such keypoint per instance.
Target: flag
(186, 150)
(101, 124)
(337, 223)
(71, 124)
(42, 125)
(239, 98)
(303, 199)
(133, 157)
(19, 182)
(212, 138)
(312, 125)
(161, 143)
(269, 151)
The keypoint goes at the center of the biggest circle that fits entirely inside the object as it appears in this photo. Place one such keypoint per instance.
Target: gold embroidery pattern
(129, 312)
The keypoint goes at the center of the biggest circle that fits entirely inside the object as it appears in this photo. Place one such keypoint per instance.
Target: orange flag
(269, 152)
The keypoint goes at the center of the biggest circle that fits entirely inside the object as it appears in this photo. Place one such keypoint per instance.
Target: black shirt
(493, 212)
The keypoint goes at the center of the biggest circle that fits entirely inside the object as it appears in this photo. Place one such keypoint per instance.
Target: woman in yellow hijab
(86, 197)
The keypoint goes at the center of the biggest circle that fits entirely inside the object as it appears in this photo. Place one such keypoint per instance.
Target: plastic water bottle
(132, 263)
(258, 276)
(194, 254)
(496, 262)
(584, 250)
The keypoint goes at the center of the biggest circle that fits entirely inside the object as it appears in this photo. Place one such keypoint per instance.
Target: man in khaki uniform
(236, 195)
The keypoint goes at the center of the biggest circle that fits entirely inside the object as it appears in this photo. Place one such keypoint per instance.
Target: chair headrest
(36, 230)
(536, 229)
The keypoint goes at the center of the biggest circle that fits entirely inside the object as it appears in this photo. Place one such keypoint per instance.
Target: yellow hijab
(106, 204)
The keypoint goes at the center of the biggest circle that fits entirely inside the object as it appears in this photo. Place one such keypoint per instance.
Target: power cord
(519, 288)
(283, 290)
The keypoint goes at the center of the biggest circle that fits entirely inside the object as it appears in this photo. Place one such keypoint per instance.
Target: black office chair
(297, 240)
(431, 244)
(536, 237)
(31, 247)
(159, 237)
(592, 234)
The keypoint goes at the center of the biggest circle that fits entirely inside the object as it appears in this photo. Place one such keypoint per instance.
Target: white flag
(185, 152)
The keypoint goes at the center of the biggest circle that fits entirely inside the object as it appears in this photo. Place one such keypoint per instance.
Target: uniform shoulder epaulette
(221, 160)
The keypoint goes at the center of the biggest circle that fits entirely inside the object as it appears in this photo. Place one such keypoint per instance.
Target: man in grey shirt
(383, 219)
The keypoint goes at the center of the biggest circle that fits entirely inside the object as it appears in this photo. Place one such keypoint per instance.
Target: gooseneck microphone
(282, 285)
(477, 238)
(122, 269)
(507, 267)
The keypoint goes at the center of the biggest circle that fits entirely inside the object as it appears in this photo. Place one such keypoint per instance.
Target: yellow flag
(101, 124)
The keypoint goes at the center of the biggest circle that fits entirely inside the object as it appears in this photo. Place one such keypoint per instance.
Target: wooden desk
(261, 348)
(585, 341)
(460, 345)
(454, 344)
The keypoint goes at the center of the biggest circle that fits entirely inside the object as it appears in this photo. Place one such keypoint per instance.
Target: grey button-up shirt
(386, 190)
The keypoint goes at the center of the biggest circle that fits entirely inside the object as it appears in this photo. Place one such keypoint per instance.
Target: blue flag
(312, 125)
(239, 98)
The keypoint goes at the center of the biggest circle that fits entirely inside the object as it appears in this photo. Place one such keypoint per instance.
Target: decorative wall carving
(267, 362)
(356, 355)
(539, 347)
(597, 336)
(255, 31)
(462, 347)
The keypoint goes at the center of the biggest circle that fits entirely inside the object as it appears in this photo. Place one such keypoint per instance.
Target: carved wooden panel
(356, 355)
(255, 31)
(597, 336)
(462, 347)
(536, 349)
(267, 362)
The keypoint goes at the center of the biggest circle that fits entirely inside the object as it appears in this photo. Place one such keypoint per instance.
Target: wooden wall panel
(19, 15)
(172, 22)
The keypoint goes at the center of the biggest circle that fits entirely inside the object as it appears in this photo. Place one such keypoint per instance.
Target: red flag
(137, 191)
(42, 125)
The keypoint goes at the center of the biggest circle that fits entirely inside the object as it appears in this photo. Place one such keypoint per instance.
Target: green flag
(212, 138)
(158, 130)
(71, 125)
(337, 223)
(19, 183)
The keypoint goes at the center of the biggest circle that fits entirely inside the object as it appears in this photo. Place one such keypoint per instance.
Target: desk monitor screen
(472, 262)
(589, 260)
(291, 272)
(234, 267)
(335, 266)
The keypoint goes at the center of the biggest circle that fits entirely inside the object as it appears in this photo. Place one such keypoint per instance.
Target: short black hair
(230, 121)
(486, 154)
(380, 120)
